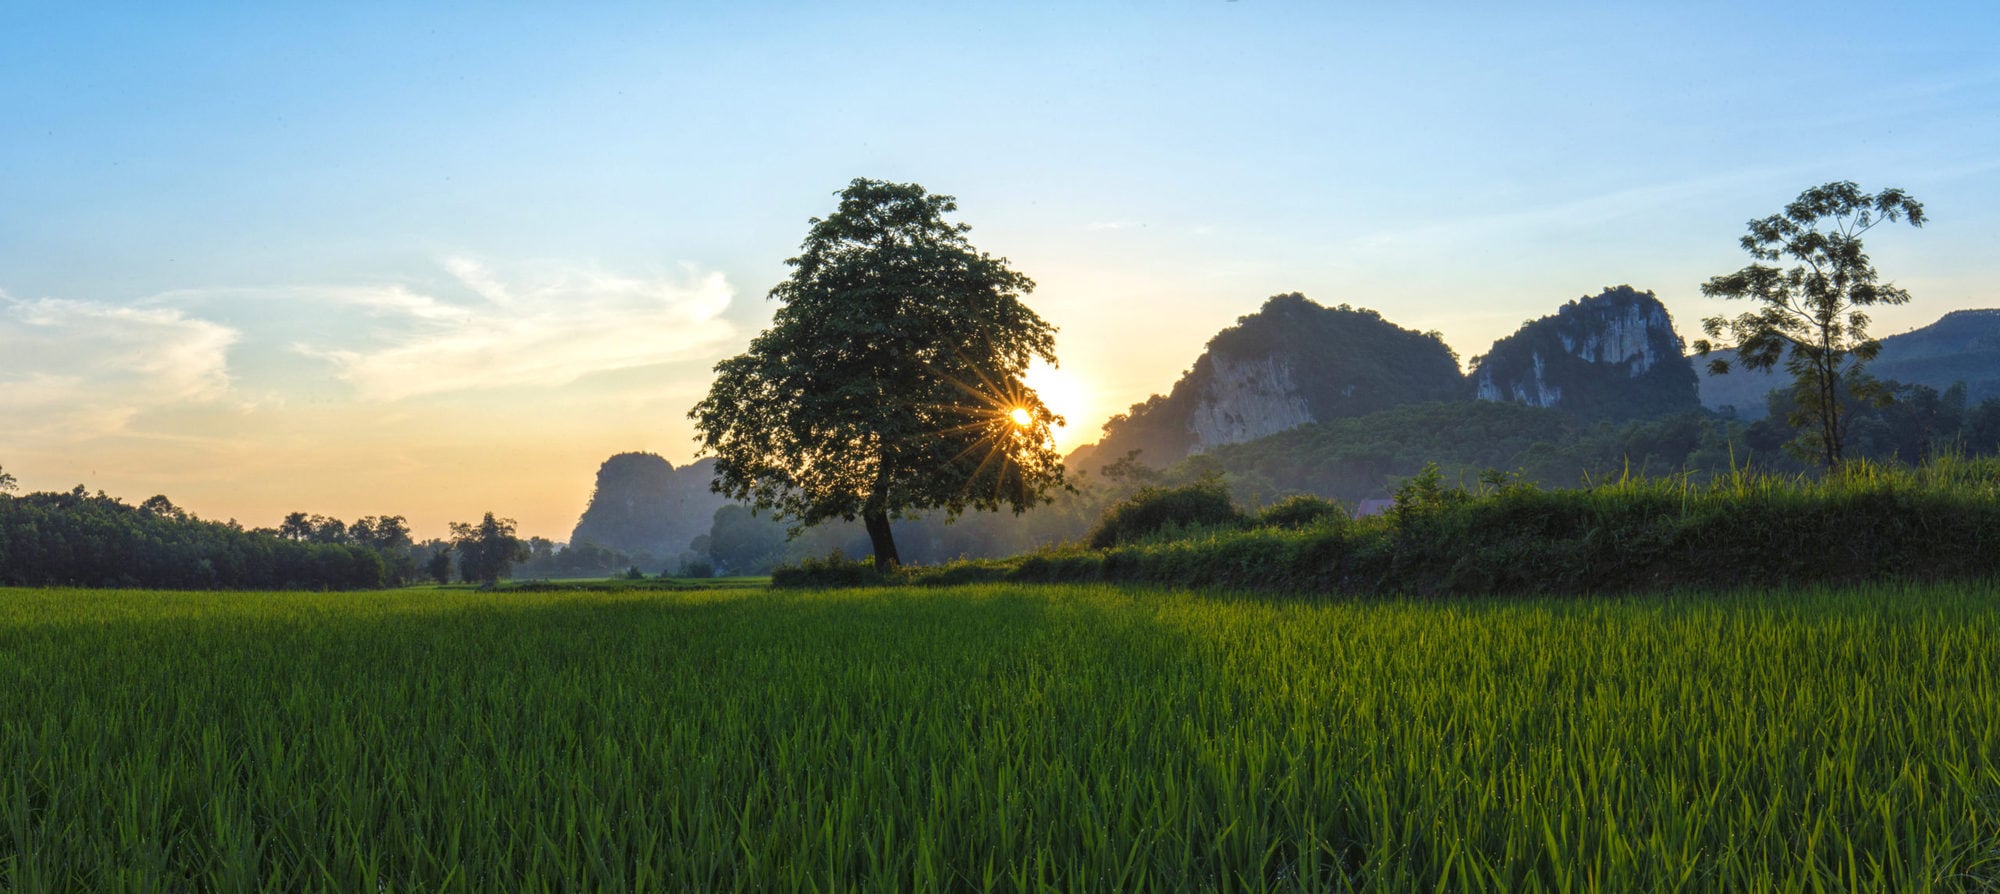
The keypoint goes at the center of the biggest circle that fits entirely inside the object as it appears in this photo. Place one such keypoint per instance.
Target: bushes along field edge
(1940, 521)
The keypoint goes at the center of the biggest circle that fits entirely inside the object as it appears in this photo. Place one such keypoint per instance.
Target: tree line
(77, 538)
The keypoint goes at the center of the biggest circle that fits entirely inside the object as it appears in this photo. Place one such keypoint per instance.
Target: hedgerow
(1871, 522)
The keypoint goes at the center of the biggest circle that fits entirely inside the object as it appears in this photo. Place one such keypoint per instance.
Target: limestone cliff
(1614, 355)
(643, 505)
(1291, 363)
(1246, 399)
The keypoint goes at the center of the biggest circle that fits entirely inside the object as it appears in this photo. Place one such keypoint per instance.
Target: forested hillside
(1962, 346)
(1290, 363)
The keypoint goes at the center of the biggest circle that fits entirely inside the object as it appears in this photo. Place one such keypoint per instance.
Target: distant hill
(1365, 457)
(1292, 362)
(643, 505)
(1962, 346)
(1614, 355)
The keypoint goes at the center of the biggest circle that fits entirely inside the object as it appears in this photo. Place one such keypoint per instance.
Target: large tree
(890, 381)
(1813, 317)
(486, 550)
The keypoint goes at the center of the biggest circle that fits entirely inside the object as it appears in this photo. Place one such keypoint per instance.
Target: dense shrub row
(1938, 522)
(79, 539)
(1164, 509)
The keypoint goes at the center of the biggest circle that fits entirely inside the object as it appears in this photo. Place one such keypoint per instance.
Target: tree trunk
(875, 515)
(1830, 429)
(877, 522)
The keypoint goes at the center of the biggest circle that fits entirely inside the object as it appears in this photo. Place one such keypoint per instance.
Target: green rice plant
(999, 737)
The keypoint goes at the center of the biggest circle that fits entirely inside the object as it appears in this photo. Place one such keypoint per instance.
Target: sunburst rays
(1004, 416)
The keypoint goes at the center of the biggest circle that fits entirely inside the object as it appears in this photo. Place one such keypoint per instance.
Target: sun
(1065, 394)
(1020, 416)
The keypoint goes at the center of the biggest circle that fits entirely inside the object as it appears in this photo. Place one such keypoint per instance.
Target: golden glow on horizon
(1066, 396)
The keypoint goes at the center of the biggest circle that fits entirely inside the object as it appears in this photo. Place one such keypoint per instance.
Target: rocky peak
(1610, 355)
(1291, 363)
(643, 505)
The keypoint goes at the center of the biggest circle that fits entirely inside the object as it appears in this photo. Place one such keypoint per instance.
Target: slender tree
(890, 381)
(1813, 317)
(6, 482)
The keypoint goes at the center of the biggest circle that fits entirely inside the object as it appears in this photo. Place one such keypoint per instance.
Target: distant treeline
(82, 539)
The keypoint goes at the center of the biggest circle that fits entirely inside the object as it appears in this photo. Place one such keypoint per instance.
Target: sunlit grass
(1003, 737)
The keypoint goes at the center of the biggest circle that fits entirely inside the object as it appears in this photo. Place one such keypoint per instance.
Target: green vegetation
(1365, 457)
(1154, 510)
(1585, 354)
(1814, 317)
(1342, 361)
(82, 539)
(1963, 346)
(890, 381)
(1003, 737)
(1302, 511)
(622, 584)
(1940, 521)
(486, 550)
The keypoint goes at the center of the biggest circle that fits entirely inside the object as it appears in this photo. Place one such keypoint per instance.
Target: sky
(434, 260)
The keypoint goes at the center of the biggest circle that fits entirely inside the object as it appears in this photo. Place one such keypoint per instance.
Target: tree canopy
(486, 550)
(1813, 317)
(891, 379)
(75, 538)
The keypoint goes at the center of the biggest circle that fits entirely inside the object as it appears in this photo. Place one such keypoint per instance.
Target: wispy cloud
(537, 326)
(1568, 214)
(71, 370)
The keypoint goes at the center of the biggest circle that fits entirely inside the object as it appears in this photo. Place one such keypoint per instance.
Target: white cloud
(1576, 214)
(545, 326)
(71, 370)
(397, 300)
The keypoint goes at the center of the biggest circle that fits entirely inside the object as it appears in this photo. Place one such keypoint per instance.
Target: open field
(997, 736)
(618, 584)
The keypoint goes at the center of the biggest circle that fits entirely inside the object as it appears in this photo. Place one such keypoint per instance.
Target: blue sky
(439, 259)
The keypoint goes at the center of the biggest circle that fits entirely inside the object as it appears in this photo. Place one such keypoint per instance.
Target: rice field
(998, 737)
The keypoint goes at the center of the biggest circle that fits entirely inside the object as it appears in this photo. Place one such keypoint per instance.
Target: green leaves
(486, 550)
(887, 381)
(1812, 310)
